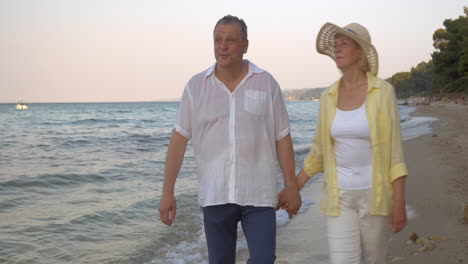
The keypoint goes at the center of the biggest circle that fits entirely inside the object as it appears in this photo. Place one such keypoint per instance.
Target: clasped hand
(290, 200)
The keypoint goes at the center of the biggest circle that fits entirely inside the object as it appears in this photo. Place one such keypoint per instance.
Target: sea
(81, 182)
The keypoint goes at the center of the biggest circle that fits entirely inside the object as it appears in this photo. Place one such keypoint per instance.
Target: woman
(358, 146)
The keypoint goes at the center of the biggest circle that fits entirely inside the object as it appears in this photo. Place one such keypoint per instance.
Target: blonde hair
(363, 63)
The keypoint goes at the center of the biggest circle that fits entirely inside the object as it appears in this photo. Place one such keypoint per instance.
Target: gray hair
(228, 19)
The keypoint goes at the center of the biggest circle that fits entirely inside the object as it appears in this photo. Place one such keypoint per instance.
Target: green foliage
(447, 72)
(417, 82)
(450, 69)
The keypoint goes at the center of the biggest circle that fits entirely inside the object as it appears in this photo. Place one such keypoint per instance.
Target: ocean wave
(9, 204)
(93, 121)
(144, 139)
(147, 142)
(191, 250)
(72, 142)
(417, 126)
(100, 218)
(51, 181)
(148, 139)
(79, 122)
(301, 151)
(181, 247)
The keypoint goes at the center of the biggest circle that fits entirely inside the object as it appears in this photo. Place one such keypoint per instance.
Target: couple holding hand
(235, 115)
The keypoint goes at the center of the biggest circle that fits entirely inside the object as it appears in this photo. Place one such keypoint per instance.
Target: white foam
(410, 212)
(306, 203)
(414, 126)
(282, 218)
(186, 252)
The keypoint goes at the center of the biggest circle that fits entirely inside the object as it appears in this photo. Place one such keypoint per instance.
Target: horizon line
(96, 102)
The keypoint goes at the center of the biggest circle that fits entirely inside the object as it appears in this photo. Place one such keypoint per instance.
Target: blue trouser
(258, 223)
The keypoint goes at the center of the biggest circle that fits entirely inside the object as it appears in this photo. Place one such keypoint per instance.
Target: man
(235, 115)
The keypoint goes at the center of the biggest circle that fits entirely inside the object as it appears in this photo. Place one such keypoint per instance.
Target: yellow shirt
(387, 151)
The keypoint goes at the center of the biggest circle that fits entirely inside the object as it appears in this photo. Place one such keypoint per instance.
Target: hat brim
(325, 44)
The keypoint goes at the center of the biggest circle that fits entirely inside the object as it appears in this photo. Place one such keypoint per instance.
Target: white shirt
(234, 136)
(353, 149)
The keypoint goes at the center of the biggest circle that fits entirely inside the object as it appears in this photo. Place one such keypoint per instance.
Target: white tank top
(353, 149)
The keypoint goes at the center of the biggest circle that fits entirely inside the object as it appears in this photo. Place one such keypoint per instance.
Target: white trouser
(355, 236)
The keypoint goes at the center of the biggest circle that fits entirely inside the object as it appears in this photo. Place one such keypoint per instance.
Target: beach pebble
(426, 243)
(413, 237)
(423, 249)
(396, 259)
(431, 245)
(436, 238)
(422, 241)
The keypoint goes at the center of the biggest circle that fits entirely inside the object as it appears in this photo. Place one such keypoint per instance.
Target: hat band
(347, 29)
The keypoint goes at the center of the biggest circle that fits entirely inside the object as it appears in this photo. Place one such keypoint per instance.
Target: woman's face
(347, 53)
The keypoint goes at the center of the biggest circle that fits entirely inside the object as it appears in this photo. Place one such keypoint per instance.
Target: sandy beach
(437, 189)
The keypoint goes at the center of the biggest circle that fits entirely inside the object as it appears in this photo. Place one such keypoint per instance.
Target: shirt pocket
(255, 102)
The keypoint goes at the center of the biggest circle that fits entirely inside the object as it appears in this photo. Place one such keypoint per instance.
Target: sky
(147, 50)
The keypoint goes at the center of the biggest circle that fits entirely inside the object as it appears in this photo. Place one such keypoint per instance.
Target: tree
(416, 82)
(422, 78)
(450, 60)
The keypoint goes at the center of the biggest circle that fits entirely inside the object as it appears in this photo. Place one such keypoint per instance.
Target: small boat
(21, 106)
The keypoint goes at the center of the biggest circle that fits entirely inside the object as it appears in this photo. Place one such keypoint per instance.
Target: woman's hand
(398, 214)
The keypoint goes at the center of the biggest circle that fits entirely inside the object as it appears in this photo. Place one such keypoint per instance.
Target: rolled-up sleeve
(183, 122)
(398, 165)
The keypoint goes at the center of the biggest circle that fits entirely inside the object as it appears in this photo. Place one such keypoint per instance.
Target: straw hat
(326, 42)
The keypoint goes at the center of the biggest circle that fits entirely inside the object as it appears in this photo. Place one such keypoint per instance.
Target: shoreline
(436, 189)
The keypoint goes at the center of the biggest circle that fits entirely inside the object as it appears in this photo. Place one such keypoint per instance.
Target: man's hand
(290, 200)
(174, 158)
(167, 209)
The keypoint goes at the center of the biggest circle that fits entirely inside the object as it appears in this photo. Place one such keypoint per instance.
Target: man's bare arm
(174, 158)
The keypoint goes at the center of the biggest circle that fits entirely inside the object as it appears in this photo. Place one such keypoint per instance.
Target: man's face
(229, 47)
